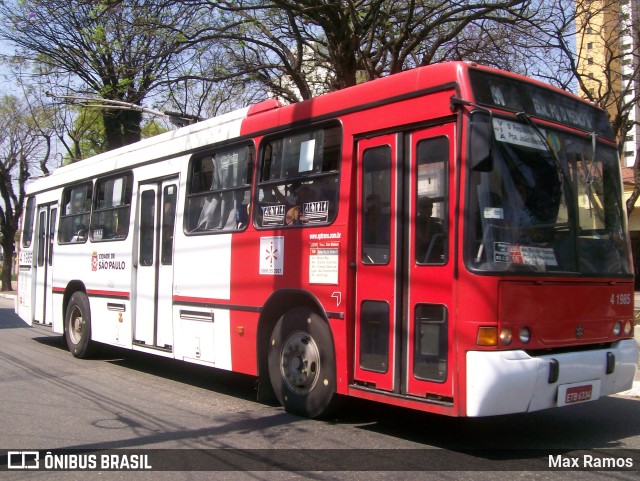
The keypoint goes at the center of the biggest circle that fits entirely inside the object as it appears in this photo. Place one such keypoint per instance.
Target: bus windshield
(543, 201)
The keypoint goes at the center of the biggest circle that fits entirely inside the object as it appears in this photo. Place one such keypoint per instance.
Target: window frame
(442, 201)
(301, 178)
(250, 151)
(375, 248)
(128, 178)
(63, 216)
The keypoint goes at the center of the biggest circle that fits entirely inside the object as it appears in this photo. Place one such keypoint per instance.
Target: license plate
(578, 392)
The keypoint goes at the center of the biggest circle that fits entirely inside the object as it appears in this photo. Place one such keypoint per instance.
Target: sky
(6, 85)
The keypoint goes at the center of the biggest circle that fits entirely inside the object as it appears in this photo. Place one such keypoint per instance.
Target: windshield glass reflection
(547, 206)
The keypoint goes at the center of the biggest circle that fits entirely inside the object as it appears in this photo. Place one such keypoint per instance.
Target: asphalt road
(120, 399)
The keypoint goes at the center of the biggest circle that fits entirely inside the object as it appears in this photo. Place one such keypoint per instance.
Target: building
(630, 45)
(607, 50)
(607, 47)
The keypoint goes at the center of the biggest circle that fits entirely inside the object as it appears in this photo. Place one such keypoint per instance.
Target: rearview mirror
(481, 143)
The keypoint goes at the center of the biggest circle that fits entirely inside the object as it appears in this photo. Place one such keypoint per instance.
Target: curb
(13, 296)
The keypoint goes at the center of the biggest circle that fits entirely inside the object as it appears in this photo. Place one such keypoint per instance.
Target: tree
(117, 50)
(86, 136)
(279, 43)
(23, 150)
(587, 47)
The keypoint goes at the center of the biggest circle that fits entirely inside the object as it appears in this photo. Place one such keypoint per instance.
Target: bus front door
(154, 284)
(377, 302)
(43, 263)
(405, 264)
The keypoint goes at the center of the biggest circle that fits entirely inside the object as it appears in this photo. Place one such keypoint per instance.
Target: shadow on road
(10, 320)
(594, 425)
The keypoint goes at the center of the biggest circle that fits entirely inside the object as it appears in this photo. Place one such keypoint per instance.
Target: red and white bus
(450, 239)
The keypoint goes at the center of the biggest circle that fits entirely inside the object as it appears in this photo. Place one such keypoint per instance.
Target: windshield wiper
(594, 150)
(564, 180)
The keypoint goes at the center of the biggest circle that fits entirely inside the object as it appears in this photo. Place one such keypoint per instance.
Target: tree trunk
(122, 127)
(7, 265)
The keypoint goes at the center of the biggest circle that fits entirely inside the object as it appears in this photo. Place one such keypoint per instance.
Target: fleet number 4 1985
(620, 299)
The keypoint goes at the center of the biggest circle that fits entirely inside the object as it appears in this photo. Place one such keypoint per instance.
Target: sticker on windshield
(493, 213)
(518, 134)
(516, 254)
(554, 142)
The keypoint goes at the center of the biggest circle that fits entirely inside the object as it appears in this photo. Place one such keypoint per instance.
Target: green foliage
(118, 50)
(153, 128)
(22, 145)
(87, 134)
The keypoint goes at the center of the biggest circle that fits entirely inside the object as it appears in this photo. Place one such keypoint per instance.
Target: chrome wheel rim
(76, 325)
(300, 362)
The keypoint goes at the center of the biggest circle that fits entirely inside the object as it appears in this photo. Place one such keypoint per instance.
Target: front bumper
(505, 382)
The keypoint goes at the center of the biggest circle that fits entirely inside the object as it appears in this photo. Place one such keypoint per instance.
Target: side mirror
(481, 143)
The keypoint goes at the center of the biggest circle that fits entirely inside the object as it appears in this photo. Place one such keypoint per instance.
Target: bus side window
(299, 179)
(219, 191)
(76, 209)
(111, 208)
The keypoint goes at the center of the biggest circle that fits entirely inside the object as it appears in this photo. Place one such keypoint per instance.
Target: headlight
(628, 328)
(525, 335)
(617, 328)
(505, 336)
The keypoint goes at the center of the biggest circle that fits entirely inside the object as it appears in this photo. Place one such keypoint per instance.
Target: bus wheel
(77, 323)
(302, 363)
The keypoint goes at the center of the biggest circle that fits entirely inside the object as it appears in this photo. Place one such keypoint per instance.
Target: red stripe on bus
(195, 300)
(96, 292)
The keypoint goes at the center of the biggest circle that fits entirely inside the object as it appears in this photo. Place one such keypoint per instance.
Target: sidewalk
(635, 390)
(10, 294)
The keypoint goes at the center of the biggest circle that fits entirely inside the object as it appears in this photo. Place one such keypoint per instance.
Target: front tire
(301, 362)
(77, 325)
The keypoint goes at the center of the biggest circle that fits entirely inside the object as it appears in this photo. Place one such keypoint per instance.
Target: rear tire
(302, 364)
(77, 325)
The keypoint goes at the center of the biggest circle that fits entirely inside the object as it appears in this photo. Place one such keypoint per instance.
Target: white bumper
(504, 382)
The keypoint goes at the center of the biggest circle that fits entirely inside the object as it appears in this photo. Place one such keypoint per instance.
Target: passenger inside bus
(296, 214)
(295, 204)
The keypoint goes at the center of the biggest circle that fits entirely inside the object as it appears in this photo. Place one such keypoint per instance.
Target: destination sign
(511, 94)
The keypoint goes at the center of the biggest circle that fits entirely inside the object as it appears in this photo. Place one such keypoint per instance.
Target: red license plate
(578, 394)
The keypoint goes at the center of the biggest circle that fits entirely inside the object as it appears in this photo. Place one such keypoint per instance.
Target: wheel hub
(76, 326)
(300, 362)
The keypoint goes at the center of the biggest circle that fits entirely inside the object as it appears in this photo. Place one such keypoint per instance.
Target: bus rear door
(154, 284)
(404, 268)
(43, 263)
